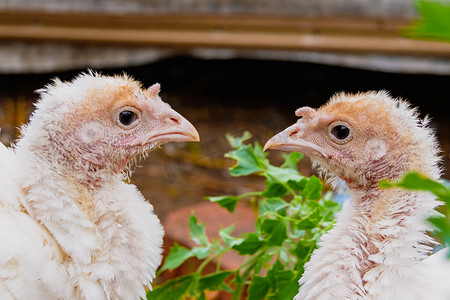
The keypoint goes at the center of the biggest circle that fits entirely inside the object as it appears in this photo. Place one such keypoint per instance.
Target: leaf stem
(206, 262)
(283, 217)
(250, 194)
(211, 258)
(290, 190)
(250, 266)
(219, 262)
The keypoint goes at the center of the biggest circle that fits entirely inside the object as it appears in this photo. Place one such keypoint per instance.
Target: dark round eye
(340, 132)
(127, 117)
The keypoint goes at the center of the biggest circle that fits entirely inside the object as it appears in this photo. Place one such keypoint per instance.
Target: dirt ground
(233, 96)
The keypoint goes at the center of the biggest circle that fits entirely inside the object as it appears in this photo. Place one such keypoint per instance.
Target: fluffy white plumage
(379, 247)
(70, 228)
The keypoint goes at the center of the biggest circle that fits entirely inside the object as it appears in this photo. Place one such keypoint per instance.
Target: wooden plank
(190, 21)
(238, 32)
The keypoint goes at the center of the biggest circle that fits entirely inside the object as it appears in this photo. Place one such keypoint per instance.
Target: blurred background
(227, 66)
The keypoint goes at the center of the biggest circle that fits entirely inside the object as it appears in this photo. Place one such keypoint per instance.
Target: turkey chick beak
(293, 139)
(181, 130)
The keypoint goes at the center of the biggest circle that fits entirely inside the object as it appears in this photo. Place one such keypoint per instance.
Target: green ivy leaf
(225, 234)
(271, 274)
(441, 223)
(330, 209)
(178, 255)
(246, 161)
(287, 285)
(283, 255)
(291, 160)
(213, 281)
(201, 252)
(237, 142)
(225, 287)
(263, 262)
(434, 22)
(249, 245)
(259, 287)
(418, 182)
(260, 154)
(283, 283)
(227, 202)
(304, 248)
(282, 174)
(298, 185)
(271, 205)
(174, 289)
(275, 189)
(275, 230)
(310, 221)
(313, 189)
(197, 231)
(311, 205)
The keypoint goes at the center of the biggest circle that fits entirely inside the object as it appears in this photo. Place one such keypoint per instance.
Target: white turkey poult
(70, 228)
(379, 246)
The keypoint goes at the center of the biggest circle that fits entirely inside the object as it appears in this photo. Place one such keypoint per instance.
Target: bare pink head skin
(101, 123)
(385, 139)
(153, 91)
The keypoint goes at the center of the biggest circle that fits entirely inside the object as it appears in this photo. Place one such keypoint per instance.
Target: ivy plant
(291, 214)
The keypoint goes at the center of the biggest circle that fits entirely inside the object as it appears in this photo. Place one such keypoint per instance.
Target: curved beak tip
(268, 145)
(274, 142)
(195, 136)
(190, 131)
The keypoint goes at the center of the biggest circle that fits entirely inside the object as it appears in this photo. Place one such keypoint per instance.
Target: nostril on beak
(293, 132)
(175, 120)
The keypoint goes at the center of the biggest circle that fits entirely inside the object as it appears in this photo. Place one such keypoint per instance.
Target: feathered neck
(54, 154)
(60, 190)
(377, 243)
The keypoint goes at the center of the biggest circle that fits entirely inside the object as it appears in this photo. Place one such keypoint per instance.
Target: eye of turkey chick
(340, 133)
(127, 117)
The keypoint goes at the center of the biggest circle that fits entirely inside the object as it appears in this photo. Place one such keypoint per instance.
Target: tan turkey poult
(379, 246)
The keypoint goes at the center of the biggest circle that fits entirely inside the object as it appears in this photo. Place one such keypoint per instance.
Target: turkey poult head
(102, 122)
(362, 138)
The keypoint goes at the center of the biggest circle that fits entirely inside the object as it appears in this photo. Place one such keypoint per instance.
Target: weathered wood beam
(379, 36)
(205, 21)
